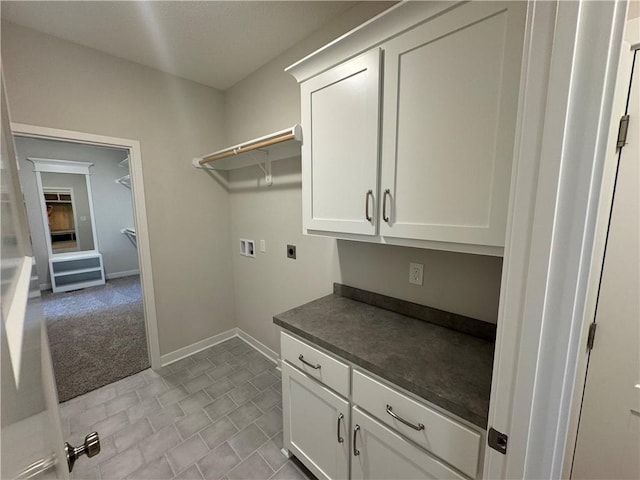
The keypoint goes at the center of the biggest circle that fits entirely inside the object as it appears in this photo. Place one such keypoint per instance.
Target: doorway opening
(97, 290)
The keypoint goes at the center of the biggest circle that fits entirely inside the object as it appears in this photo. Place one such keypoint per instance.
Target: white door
(316, 423)
(340, 115)
(31, 436)
(381, 454)
(608, 443)
(449, 109)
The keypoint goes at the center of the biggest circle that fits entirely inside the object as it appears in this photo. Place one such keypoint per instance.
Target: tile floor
(214, 415)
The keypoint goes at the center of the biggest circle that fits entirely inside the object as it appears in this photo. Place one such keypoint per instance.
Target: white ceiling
(210, 42)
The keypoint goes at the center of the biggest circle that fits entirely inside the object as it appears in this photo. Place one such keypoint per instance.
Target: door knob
(90, 448)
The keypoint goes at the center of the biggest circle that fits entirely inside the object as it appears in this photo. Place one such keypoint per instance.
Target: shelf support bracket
(266, 169)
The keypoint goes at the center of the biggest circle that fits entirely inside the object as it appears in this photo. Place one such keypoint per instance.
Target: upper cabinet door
(340, 120)
(450, 103)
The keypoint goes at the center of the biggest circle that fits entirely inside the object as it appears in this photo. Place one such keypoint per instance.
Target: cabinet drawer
(444, 437)
(382, 454)
(316, 364)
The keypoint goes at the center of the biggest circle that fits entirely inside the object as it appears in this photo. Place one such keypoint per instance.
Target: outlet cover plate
(291, 251)
(416, 273)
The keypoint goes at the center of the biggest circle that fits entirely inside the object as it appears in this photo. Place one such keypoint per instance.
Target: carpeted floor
(97, 335)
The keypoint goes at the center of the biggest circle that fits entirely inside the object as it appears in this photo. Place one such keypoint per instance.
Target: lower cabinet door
(316, 425)
(379, 453)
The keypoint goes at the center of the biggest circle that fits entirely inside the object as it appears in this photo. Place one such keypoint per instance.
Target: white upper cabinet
(435, 94)
(450, 104)
(340, 146)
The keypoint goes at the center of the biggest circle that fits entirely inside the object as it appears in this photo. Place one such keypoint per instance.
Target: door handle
(90, 448)
(340, 439)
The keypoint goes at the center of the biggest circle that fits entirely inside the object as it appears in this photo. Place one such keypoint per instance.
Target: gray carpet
(97, 335)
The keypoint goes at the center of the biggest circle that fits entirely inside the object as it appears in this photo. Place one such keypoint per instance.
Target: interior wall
(264, 102)
(112, 203)
(271, 283)
(58, 84)
(267, 101)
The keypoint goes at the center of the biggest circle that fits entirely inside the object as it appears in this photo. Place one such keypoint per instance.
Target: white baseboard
(196, 347)
(258, 345)
(183, 352)
(126, 273)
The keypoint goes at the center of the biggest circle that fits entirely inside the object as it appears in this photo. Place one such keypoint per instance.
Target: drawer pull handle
(409, 424)
(340, 439)
(356, 452)
(315, 367)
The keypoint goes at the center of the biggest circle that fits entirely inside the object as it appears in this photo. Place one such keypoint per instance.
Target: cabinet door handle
(367, 215)
(340, 439)
(356, 452)
(409, 424)
(315, 367)
(385, 217)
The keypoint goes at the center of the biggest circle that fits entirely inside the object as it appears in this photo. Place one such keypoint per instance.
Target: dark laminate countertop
(444, 366)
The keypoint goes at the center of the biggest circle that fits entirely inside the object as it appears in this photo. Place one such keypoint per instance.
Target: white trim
(487, 250)
(44, 215)
(600, 238)
(15, 319)
(94, 231)
(126, 273)
(52, 165)
(258, 345)
(184, 352)
(194, 348)
(140, 212)
(565, 110)
(381, 28)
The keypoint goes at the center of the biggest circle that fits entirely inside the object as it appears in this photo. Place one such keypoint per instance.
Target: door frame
(565, 105)
(602, 231)
(139, 209)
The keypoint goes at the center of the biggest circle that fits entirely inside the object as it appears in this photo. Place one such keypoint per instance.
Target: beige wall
(269, 100)
(634, 10)
(203, 286)
(54, 83)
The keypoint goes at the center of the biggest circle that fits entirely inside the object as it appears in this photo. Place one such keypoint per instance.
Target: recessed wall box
(251, 248)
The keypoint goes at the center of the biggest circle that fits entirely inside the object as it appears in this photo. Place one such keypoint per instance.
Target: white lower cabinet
(343, 417)
(381, 454)
(316, 423)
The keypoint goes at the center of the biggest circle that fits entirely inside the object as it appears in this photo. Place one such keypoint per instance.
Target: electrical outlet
(251, 248)
(416, 272)
(247, 248)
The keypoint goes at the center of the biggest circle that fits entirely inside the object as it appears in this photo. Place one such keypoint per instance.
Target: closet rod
(247, 148)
